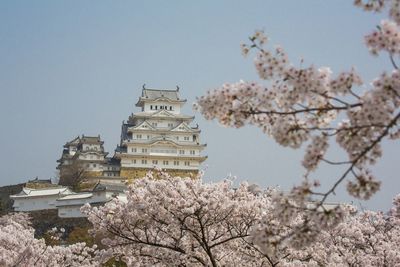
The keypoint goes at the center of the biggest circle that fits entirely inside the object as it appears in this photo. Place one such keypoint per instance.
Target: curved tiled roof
(156, 93)
(30, 192)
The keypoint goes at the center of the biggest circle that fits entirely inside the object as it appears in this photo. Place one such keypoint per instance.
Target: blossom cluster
(386, 38)
(315, 151)
(371, 5)
(379, 5)
(364, 187)
(19, 247)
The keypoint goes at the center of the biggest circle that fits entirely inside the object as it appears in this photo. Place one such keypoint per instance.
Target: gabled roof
(90, 151)
(143, 125)
(161, 114)
(91, 140)
(30, 192)
(76, 196)
(158, 94)
(120, 149)
(84, 140)
(184, 127)
(100, 186)
(73, 142)
(112, 161)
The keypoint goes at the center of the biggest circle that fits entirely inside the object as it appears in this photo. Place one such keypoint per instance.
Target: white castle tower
(159, 136)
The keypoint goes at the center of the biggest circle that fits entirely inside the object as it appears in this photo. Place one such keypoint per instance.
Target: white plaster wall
(35, 203)
(176, 108)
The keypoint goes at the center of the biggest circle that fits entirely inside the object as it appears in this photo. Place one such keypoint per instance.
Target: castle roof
(76, 196)
(158, 94)
(74, 142)
(161, 114)
(159, 139)
(112, 161)
(31, 192)
(91, 139)
(100, 186)
(84, 140)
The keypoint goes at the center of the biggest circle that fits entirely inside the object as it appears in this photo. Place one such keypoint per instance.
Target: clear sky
(77, 67)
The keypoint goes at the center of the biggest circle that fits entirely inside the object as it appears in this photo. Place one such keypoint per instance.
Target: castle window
(192, 152)
(154, 124)
(170, 124)
(165, 107)
(151, 106)
(144, 161)
(187, 163)
(134, 149)
(165, 162)
(182, 152)
(170, 107)
(94, 165)
(155, 162)
(161, 107)
(176, 162)
(134, 161)
(155, 107)
(138, 136)
(144, 150)
(186, 138)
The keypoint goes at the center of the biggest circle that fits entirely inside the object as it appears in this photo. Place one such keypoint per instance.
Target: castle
(157, 136)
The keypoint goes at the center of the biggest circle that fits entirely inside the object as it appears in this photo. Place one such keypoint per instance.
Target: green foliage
(81, 234)
(113, 262)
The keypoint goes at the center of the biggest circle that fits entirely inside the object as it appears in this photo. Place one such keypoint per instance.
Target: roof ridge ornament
(177, 88)
(144, 88)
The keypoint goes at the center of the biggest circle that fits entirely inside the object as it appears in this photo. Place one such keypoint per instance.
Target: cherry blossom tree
(19, 247)
(174, 221)
(308, 105)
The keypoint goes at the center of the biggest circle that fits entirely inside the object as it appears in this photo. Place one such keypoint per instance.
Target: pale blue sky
(77, 67)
